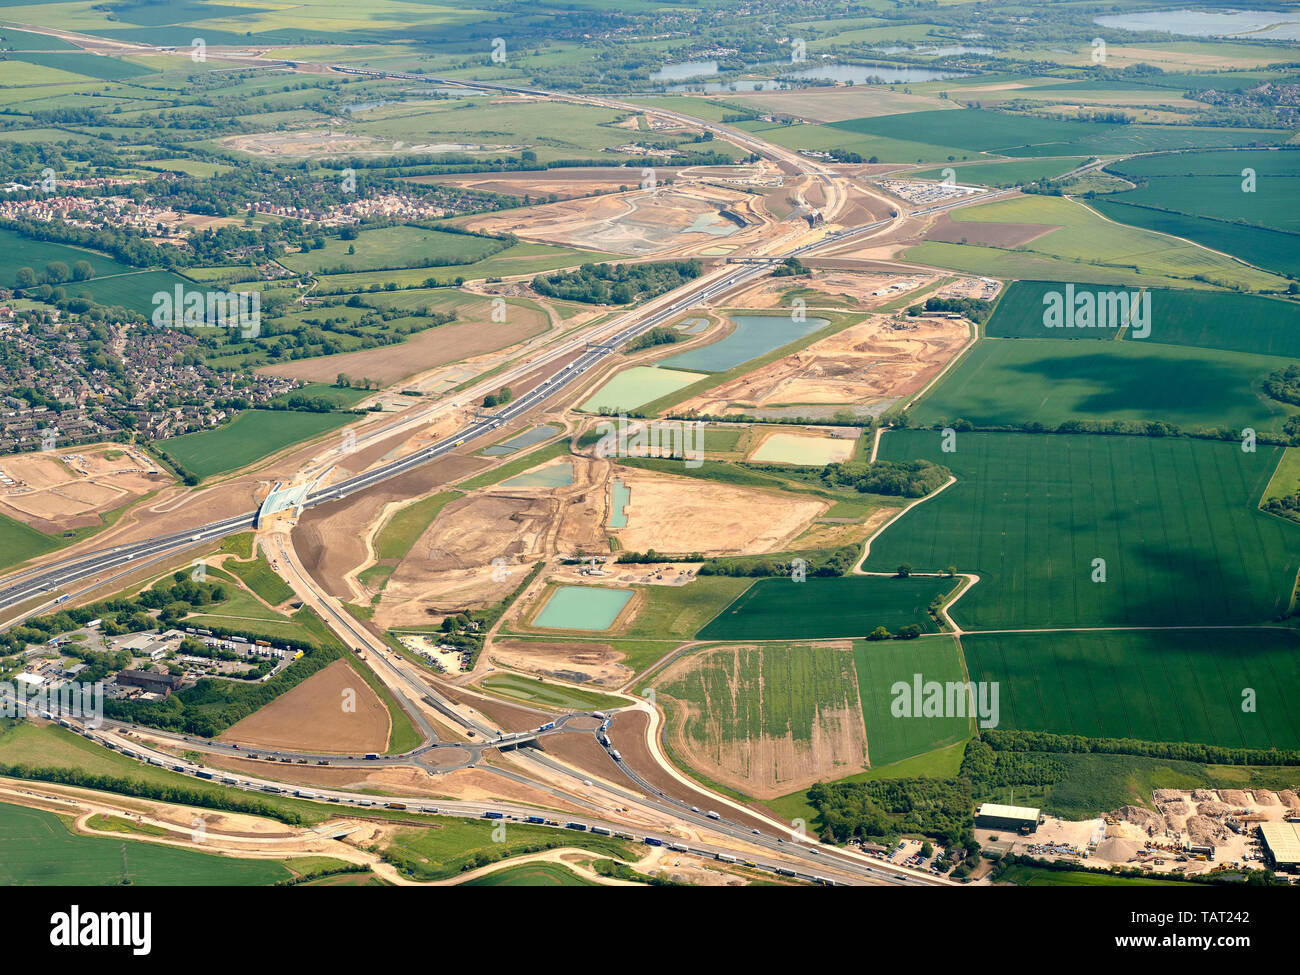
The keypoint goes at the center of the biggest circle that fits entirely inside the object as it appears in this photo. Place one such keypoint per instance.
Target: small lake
(1267, 24)
(862, 74)
(753, 336)
(859, 74)
(684, 70)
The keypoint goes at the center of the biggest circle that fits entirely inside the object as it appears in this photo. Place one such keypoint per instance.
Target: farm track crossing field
(1272, 250)
(1004, 382)
(1238, 202)
(821, 607)
(1174, 518)
(37, 849)
(1205, 319)
(1097, 245)
(252, 435)
(1171, 685)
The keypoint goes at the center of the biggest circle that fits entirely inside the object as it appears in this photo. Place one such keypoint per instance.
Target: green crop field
(883, 663)
(252, 435)
(19, 542)
(394, 247)
(395, 538)
(20, 251)
(85, 64)
(1272, 250)
(534, 690)
(1007, 382)
(1026, 135)
(1206, 319)
(1087, 245)
(38, 849)
(521, 259)
(1205, 197)
(744, 694)
(781, 609)
(1175, 520)
(436, 854)
(1152, 685)
(261, 578)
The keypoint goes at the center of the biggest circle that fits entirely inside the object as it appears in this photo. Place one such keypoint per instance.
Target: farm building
(1282, 843)
(991, 815)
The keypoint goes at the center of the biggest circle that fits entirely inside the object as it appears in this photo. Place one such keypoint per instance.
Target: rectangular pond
(582, 608)
(526, 439)
(620, 494)
(549, 476)
(753, 336)
(636, 386)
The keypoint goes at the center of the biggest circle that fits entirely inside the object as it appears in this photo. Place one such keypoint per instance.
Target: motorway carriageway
(37, 582)
(521, 814)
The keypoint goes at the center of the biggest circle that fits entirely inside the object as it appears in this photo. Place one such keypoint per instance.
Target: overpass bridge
(283, 498)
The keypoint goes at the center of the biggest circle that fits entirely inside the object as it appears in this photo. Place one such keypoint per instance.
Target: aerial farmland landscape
(652, 443)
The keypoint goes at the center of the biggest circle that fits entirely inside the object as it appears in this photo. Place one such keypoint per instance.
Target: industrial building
(1282, 844)
(154, 683)
(991, 815)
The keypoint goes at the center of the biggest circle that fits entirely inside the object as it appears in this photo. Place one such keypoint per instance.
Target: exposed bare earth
(680, 514)
(983, 234)
(387, 364)
(580, 663)
(564, 183)
(315, 717)
(55, 491)
(871, 365)
(330, 538)
(637, 223)
(450, 567)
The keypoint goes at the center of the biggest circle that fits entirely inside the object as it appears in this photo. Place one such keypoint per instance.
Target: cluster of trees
(1284, 385)
(880, 811)
(976, 309)
(989, 769)
(791, 267)
(616, 284)
(659, 335)
(845, 156)
(907, 479)
(836, 562)
(56, 272)
(501, 397)
(908, 632)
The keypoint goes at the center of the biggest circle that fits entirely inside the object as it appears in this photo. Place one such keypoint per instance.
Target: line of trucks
(490, 814)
